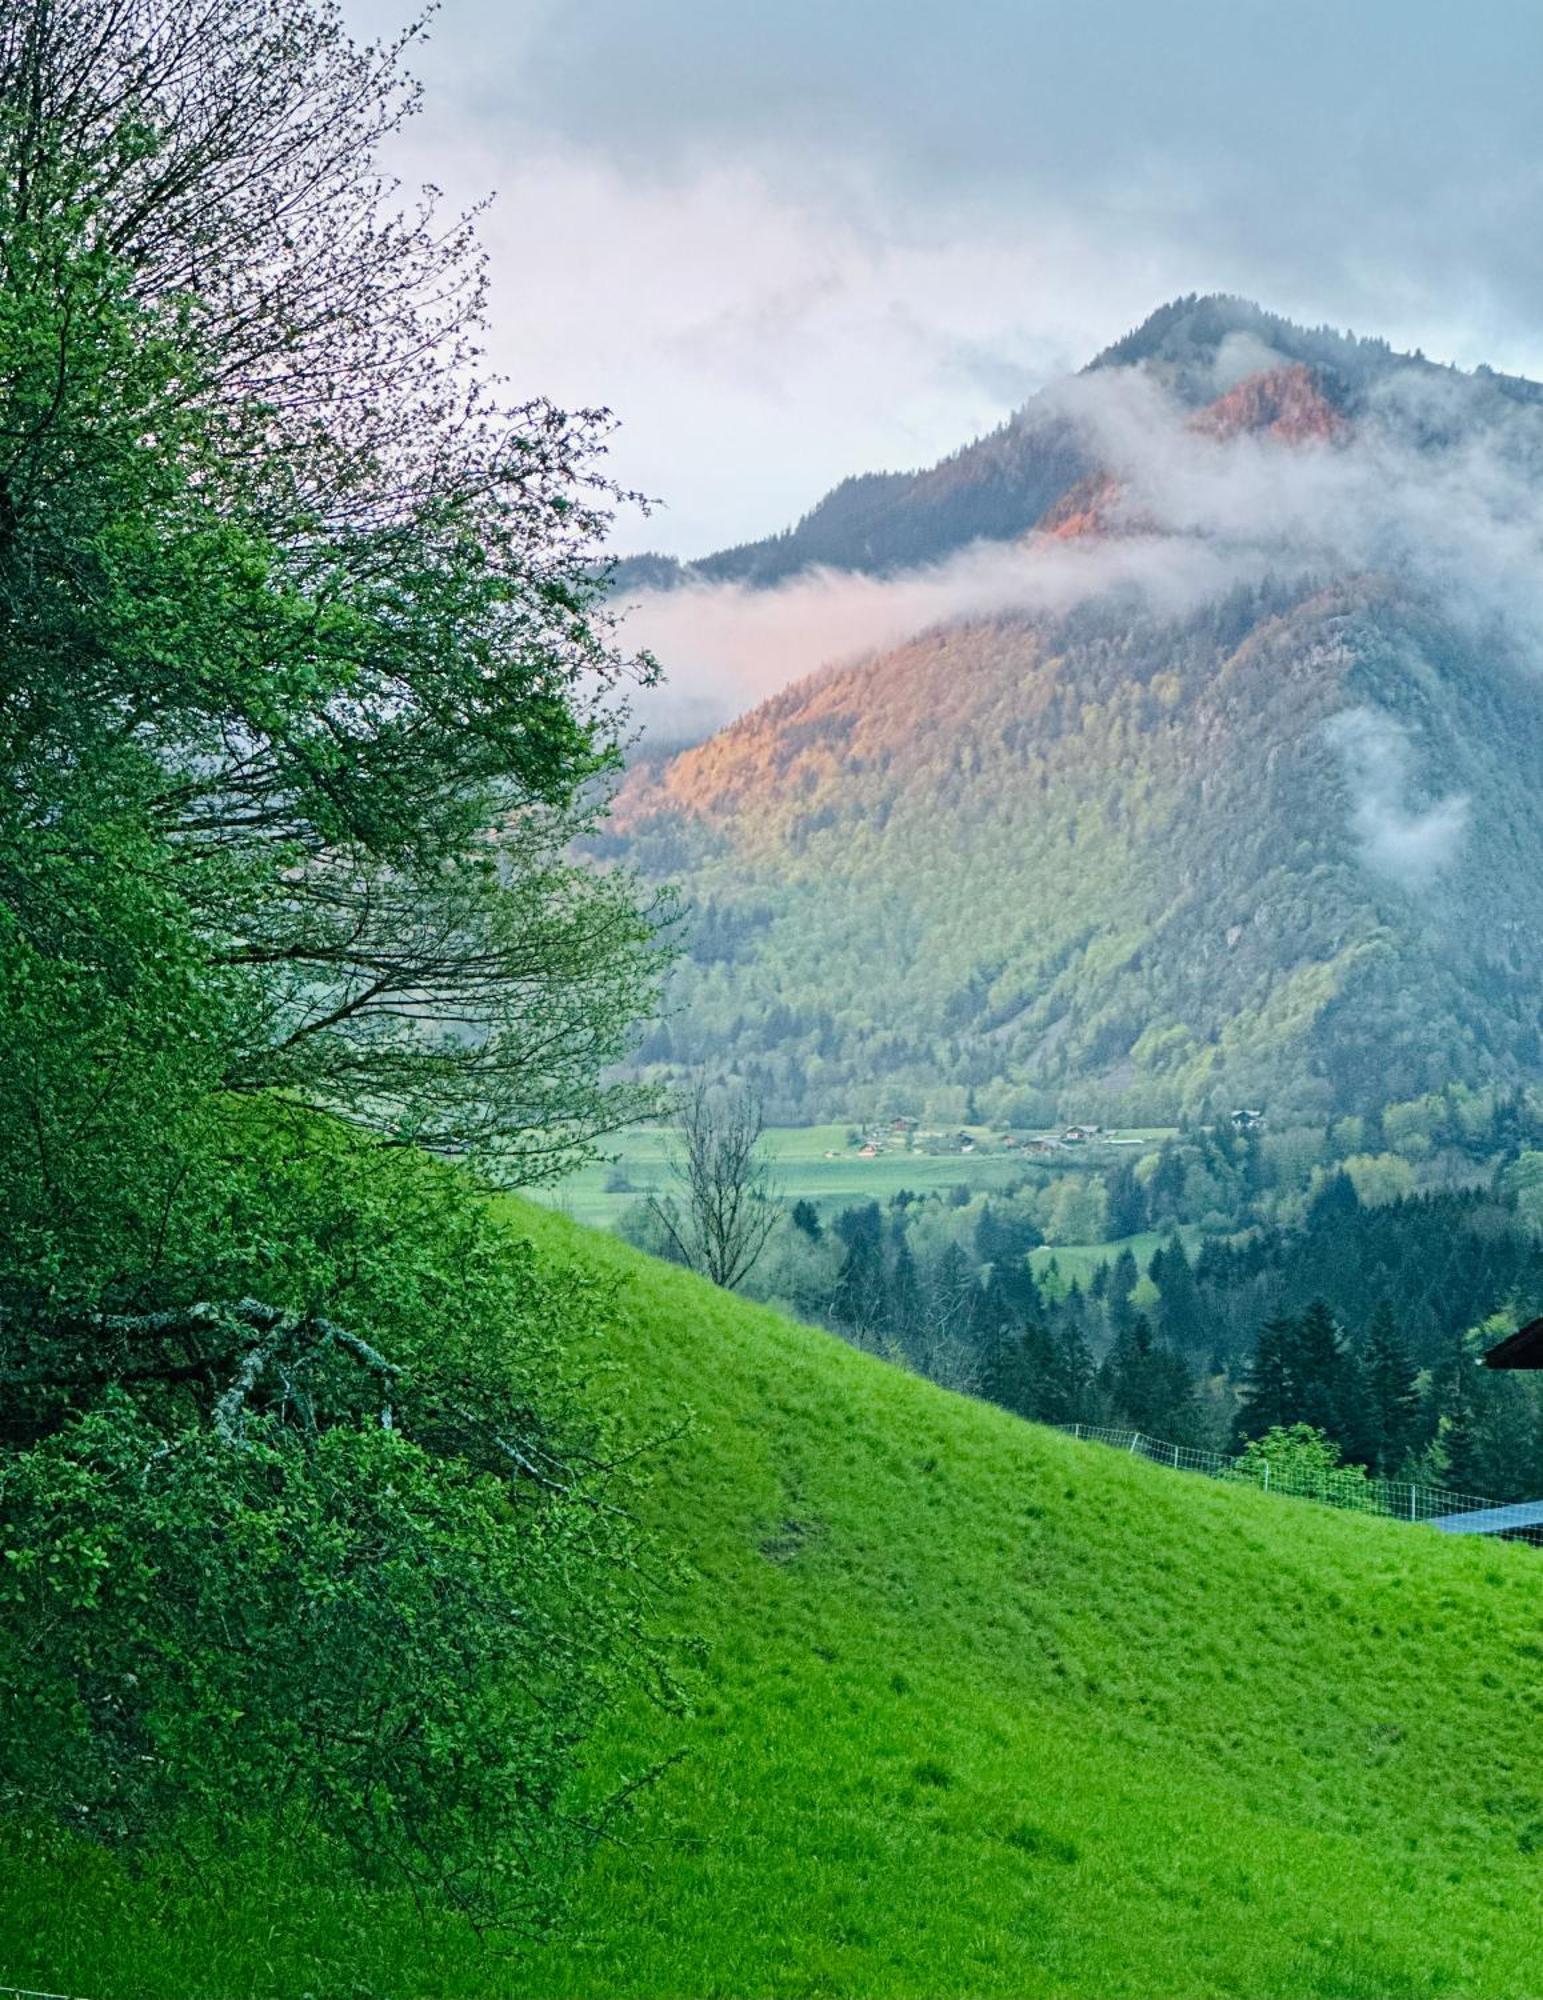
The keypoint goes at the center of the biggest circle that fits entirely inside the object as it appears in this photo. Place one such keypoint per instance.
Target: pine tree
(905, 1297)
(1180, 1317)
(1123, 1280)
(1391, 1388)
(1148, 1383)
(1316, 1361)
(1269, 1387)
(1356, 1428)
(860, 1303)
(805, 1216)
(1127, 1202)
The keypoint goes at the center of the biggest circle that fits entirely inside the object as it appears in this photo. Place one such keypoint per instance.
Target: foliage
(285, 594)
(357, 1565)
(1300, 1459)
(306, 688)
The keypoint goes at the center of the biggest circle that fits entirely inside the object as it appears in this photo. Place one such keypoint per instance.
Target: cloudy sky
(792, 241)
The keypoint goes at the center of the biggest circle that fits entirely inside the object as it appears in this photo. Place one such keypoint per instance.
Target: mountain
(1000, 485)
(1248, 814)
(980, 1710)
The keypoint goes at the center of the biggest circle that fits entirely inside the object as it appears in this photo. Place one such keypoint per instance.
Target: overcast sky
(792, 240)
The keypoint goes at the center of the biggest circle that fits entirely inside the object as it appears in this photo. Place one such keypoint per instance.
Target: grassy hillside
(982, 1711)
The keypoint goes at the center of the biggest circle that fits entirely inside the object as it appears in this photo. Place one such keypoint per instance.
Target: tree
(1127, 1202)
(1148, 1383)
(1269, 1385)
(1315, 1361)
(727, 1205)
(286, 590)
(1299, 1459)
(1179, 1314)
(1078, 1210)
(805, 1217)
(1392, 1385)
(306, 686)
(1123, 1279)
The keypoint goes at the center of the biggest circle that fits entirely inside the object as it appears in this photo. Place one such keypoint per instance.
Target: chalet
(1522, 1520)
(1523, 1349)
(868, 1152)
(1078, 1135)
(1247, 1121)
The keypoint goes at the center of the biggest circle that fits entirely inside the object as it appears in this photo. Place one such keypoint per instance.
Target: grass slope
(984, 1711)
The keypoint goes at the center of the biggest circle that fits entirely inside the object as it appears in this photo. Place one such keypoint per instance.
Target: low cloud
(1410, 846)
(725, 647)
(1440, 481)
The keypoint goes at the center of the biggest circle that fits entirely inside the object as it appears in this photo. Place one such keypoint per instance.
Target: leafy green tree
(283, 589)
(306, 688)
(1302, 1460)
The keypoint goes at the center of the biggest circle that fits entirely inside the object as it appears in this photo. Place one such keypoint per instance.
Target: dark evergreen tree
(1122, 1282)
(1127, 1202)
(1315, 1360)
(860, 1302)
(1148, 1384)
(805, 1217)
(1180, 1316)
(1269, 1386)
(1391, 1387)
(905, 1298)
(1356, 1429)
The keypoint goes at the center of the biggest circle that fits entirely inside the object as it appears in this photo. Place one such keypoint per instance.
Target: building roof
(1492, 1520)
(1523, 1349)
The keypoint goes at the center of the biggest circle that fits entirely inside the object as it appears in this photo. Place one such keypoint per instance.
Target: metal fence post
(1135, 1439)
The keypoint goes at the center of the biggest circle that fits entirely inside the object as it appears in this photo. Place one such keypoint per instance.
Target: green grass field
(802, 1170)
(982, 1711)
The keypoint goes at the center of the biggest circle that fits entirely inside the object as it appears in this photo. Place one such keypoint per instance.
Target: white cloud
(1408, 845)
(1462, 521)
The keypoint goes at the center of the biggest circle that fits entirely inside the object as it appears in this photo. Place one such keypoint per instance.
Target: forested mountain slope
(1113, 859)
(1244, 812)
(981, 1710)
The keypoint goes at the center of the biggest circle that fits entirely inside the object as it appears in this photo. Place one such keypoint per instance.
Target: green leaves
(305, 687)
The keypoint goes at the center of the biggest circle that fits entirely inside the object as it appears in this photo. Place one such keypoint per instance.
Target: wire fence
(1345, 1487)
